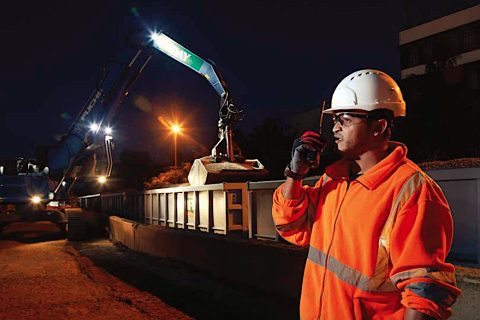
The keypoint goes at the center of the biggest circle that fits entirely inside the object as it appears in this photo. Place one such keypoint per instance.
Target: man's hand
(306, 152)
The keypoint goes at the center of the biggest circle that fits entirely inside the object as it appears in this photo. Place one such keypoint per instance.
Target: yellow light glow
(102, 179)
(176, 128)
(36, 199)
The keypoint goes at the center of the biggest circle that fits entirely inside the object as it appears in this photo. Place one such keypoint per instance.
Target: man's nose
(336, 127)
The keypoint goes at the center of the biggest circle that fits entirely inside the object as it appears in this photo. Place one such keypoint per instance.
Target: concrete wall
(271, 267)
(462, 190)
(267, 266)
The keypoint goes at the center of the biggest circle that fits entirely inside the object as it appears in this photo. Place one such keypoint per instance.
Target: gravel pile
(451, 164)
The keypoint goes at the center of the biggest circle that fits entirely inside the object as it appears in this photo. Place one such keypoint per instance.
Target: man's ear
(380, 127)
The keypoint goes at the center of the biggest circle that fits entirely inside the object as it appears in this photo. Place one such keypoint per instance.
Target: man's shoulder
(408, 168)
(415, 176)
(410, 173)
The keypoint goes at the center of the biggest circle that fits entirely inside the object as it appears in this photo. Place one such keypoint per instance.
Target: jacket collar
(375, 175)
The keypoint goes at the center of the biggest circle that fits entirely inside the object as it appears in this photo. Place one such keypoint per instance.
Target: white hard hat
(368, 90)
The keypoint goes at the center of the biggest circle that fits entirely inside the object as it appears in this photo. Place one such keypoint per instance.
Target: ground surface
(50, 280)
(467, 306)
(95, 279)
(45, 277)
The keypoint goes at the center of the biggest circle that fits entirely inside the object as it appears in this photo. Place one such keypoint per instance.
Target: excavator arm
(228, 114)
(90, 128)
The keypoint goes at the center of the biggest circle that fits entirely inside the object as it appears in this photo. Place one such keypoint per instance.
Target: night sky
(278, 58)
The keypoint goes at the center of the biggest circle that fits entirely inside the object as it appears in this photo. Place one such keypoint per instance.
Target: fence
(221, 208)
(129, 205)
(245, 208)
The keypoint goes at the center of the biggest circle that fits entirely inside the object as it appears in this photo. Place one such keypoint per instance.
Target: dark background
(278, 57)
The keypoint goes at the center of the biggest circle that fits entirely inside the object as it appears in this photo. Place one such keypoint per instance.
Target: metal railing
(218, 208)
(223, 208)
(129, 205)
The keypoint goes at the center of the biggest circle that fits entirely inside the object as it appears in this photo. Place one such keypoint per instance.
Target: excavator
(38, 189)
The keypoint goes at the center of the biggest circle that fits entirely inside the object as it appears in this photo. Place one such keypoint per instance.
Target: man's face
(351, 131)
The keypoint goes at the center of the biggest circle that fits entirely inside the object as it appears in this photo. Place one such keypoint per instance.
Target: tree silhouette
(271, 144)
(134, 169)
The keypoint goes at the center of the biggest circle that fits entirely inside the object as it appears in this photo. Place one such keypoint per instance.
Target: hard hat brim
(397, 108)
(332, 110)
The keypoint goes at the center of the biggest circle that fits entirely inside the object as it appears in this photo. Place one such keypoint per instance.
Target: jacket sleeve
(420, 242)
(293, 218)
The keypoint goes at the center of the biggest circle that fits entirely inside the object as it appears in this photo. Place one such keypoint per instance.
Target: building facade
(440, 71)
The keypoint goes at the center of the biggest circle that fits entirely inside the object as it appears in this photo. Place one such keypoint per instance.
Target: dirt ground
(45, 277)
(50, 280)
(96, 279)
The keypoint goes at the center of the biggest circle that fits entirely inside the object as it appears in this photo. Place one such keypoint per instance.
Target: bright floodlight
(108, 131)
(102, 179)
(94, 127)
(36, 199)
(154, 36)
(176, 128)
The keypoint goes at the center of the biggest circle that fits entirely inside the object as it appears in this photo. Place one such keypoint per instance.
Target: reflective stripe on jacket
(377, 244)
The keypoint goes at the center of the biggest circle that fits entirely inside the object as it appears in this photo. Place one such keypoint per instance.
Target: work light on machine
(108, 133)
(35, 199)
(102, 179)
(94, 127)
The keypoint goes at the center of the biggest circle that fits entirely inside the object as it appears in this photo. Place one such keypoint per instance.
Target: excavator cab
(24, 190)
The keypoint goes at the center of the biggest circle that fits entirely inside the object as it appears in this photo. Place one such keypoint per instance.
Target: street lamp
(176, 129)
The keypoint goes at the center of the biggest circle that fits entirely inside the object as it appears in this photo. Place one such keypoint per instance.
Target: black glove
(306, 152)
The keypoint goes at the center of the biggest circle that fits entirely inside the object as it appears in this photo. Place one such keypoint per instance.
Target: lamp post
(176, 129)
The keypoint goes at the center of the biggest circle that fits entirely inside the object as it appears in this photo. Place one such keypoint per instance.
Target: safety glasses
(347, 119)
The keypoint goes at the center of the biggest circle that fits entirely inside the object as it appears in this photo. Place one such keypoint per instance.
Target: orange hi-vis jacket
(377, 244)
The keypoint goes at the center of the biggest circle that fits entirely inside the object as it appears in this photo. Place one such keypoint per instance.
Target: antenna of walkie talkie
(324, 105)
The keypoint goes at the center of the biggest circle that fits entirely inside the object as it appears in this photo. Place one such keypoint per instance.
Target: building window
(413, 56)
(427, 51)
(452, 43)
(440, 47)
(473, 79)
(469, 39)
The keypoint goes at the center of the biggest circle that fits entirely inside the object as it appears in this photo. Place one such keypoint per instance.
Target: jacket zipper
(327, 255)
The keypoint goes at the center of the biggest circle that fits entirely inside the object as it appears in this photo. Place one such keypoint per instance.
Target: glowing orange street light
(176, 129)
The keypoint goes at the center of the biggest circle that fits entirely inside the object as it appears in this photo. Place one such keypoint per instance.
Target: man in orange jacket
(378, 228)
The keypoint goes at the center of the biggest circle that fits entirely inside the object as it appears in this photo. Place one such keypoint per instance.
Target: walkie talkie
(312, 155)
